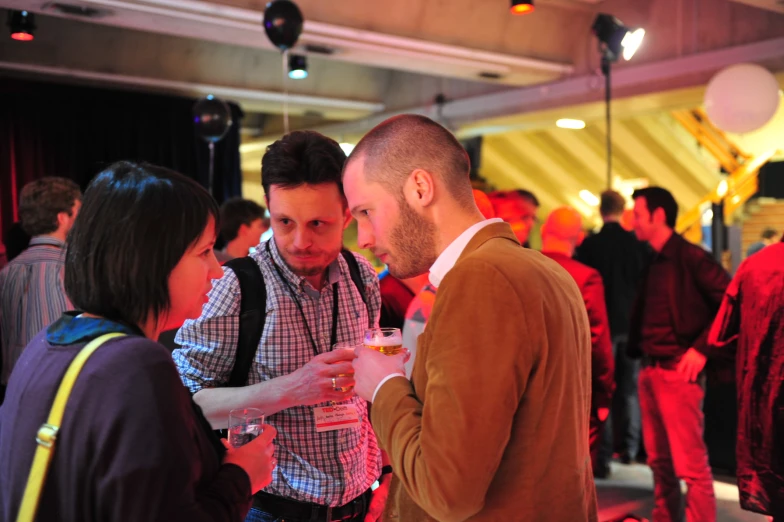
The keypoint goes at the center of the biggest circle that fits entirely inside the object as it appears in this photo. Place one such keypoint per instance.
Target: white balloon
(765, 139)
(742, 98)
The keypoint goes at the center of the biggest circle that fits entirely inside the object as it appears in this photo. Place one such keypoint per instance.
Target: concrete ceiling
(397, 56)
(388, 56)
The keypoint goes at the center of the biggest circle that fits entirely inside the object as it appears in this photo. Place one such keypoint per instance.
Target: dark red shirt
(589, 281)
(658, 335)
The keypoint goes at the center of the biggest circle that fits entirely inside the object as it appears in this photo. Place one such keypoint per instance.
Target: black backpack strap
(253, 314)
(356, 277)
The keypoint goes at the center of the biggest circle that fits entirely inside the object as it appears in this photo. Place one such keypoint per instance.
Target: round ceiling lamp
(521, 7)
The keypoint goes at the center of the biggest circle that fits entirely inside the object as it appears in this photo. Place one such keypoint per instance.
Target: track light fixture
(298, 67)
(521, 7)
(22, 25)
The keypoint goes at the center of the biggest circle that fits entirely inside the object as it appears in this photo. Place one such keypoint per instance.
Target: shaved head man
(504, 363)
(562, 231)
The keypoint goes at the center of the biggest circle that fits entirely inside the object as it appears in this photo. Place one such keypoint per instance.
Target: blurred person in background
(620, 259)
(518, 208)
(561, 234)
(32, 295)
(751, 324)
(767, 238)
(242, 224)
(680, 293)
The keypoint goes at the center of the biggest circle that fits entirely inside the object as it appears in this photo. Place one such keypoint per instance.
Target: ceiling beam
(269, 101)
(238, 26)
(500, 112)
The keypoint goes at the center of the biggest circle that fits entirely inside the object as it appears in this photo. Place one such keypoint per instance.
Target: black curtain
(49, 129)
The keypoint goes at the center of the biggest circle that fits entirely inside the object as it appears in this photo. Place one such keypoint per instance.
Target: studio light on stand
(615, 40)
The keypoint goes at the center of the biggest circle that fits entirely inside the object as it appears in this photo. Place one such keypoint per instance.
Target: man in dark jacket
(620, 258)
(560, 235)
(679, 296)
(755, 300)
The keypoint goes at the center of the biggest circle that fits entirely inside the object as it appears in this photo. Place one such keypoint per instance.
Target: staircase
(762, 213)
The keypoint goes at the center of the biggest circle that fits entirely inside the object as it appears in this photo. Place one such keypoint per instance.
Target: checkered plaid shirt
(330, 468)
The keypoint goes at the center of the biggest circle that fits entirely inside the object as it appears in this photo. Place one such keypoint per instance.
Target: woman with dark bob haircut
(132, 445)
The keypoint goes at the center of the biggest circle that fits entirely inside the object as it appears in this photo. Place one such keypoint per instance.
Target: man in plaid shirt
(325, 469)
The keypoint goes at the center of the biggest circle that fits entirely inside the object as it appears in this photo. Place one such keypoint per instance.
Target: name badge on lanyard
(336, 417)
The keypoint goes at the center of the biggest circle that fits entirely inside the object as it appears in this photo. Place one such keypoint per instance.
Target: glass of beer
(244, 426)
(388, 341)
(344, 346)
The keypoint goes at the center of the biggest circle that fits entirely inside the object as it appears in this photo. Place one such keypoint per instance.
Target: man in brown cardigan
(493, 425)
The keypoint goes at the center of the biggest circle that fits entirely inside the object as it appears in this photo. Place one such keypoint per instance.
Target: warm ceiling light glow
(568, 123)
(721, 190)
(521, 7)
(735, 200)
(589, 197)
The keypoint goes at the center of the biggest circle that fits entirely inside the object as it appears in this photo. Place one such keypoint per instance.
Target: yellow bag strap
(47, 433)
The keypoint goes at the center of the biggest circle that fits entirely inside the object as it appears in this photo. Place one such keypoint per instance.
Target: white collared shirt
(450, 255)
(442, 266)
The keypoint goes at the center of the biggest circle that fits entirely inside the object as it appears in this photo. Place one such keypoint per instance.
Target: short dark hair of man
(402, 144)
(769, 233)
(302, 157)
(135, 224)
(523, 194)
(611, 204)
(657, 197)
(236, 212)
(42, 200)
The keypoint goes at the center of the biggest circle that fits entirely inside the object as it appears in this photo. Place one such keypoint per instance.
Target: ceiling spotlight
(615, 38)
(298, 67)
(568, 123)
(521, 7)
(22, 25)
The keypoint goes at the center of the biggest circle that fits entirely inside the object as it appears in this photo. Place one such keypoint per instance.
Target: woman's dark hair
(136, 223)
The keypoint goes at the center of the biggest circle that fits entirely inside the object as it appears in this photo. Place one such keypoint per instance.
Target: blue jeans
(624, 419)
(257, 515)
